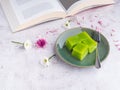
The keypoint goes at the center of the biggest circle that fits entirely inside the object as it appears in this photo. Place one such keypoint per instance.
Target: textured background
(21, 70)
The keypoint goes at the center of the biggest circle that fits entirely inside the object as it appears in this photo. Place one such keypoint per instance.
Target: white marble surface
(21, 69)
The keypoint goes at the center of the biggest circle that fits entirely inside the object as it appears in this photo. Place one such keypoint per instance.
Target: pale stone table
(22, 70)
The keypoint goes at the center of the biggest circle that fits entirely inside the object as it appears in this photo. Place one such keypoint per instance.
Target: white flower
(27, 44)
(45, 62)
(67, 24)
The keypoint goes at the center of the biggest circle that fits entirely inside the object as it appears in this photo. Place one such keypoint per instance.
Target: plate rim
(67, 62)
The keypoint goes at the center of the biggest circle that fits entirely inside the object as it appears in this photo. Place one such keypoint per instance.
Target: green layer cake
(80, 45)
(80, 51)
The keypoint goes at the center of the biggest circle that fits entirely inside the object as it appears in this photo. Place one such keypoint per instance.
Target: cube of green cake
(72, 41)
(92, 44)
(80, 51)
(84, 35)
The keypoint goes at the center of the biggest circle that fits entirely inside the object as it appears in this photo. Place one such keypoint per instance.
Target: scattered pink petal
(40, 43)
(111, 34)
(83, 18)
(91, 26)
(117, 45)
(97, 29)
(115, 40)
(112, 20)
(46, 32)
(73, 18)
(113, 30)
(100, 23)
(91, 20)
(119, 49)
(96, 16)
(80, 26)
(52, 31)
(78, 23)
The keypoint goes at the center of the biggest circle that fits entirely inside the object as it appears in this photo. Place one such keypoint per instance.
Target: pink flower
(40, 43)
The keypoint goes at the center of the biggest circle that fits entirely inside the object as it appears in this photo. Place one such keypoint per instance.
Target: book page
(26, 10)
(87, 4)
(68, 3)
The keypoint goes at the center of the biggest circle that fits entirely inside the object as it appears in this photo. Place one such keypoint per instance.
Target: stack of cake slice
(80, 45)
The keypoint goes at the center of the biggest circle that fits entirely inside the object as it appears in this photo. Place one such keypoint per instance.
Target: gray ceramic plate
(89, 60)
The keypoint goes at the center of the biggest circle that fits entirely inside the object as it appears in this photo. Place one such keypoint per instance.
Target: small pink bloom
(40, 43)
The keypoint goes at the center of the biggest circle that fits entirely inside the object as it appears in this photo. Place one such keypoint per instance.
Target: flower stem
(51, 56)
(17, 42)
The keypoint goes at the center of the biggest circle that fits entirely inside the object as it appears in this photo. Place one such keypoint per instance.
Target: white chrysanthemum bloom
(27, 44)
(45, 62)
(67, 24)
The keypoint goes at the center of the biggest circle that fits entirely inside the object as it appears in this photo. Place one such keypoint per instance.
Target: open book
(22, 14)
